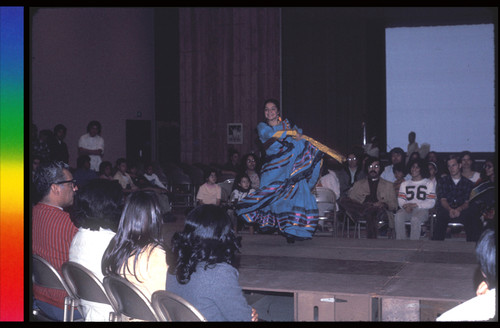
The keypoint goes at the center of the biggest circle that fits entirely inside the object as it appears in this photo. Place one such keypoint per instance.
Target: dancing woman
(290, 171)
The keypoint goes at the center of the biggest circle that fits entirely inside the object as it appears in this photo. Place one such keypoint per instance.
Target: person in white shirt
(92, 144)
(153, 178)
(329, 180)
(415, 198)
(483, 307)
(97, 211)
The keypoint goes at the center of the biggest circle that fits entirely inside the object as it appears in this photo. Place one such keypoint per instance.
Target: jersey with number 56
(422, 193)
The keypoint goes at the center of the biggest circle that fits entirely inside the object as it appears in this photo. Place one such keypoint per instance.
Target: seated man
(453, 193)
(83, 174)
(483, 307)
(371, 198)
(415, 197)
(53, 230)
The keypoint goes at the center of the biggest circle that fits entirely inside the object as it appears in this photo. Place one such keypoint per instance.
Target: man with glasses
(371, 198)
(351, 172)
(52, 230)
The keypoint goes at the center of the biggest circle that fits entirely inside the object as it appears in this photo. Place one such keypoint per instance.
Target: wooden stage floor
(379, 279)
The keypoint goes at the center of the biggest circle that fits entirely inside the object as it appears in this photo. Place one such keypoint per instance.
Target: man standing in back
(52, 230)
(92, 144)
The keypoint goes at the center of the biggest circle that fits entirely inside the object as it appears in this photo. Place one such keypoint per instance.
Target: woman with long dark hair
(204, 272)
(290, 171)
(137, 251)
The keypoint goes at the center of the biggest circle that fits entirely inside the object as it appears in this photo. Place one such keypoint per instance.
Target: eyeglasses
(250, 161)
(352, 159)
(371, 166)
(488, 166)
(66, 181)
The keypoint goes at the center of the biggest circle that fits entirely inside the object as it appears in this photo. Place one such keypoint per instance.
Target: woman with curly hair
(204, 274)
(137, 251)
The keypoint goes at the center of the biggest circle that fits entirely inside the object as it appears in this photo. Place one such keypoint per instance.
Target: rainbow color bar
(11, 163)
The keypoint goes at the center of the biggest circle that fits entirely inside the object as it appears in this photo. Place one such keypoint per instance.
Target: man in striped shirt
(415, 197)
(52, 230)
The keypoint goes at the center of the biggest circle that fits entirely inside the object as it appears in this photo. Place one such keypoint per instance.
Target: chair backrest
(226, 189)
(172, 307)
(128, 300)
(323, 194)
(45, 275)
(325, 199)
(84, 284)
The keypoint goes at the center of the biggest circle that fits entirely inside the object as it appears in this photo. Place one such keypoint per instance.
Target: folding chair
(85, 285)
(172, 307)
(45, 275)
(128, 300)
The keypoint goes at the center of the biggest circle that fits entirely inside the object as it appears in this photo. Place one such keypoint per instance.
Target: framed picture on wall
(235, 133)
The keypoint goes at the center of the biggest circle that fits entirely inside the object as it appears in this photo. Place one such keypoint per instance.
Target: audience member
(453, 198)
(252, 169)
(412, 145)
(83, 174)
(96, 213)
(137, 176)
(35, 163)
(328, 179)
(352, 171)
(41, 147)
(152, 177)
(413, 156)
(92, 144)
(52, 231)
(399, 174)
(233, 165)
(123, 177)
(137, 252)
(442, 169)
(209, 192)
(433, 172)
(482, 202)
(57, 146)
(241, 187)
(371, 198)
(467, 166)
(396, 155)
(204, 272)
(416, 196)
(105, 169)
(483, 307)
(150, 181)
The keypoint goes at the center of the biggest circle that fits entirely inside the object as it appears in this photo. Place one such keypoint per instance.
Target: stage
(346, 279)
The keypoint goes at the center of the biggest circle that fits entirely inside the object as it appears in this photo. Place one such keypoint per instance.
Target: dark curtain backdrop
(229, 63)
(334, 75)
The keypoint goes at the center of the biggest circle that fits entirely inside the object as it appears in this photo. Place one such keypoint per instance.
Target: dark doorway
(138, 139)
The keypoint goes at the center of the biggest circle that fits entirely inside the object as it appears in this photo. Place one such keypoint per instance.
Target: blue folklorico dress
(289, 173)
